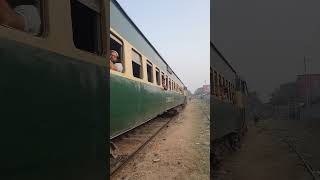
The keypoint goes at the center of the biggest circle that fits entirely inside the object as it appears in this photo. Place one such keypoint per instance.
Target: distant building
(206, 88)
(309, 86)
(203, 91)
(299, 99)
(283, 94)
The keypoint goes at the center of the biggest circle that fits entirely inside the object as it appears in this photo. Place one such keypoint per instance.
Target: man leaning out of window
(114, 64)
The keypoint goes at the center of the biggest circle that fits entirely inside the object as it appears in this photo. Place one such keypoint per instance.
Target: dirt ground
(303, 133)
(180, 151)
(263, 156)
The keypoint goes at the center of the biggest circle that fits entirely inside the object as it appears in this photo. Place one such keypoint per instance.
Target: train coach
(147, 86)
(227, 103)
(54, 93)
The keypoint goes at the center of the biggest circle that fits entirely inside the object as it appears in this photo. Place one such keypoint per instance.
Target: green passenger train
(228, 107)
(147, 86)
(53, 107)
(54, 90)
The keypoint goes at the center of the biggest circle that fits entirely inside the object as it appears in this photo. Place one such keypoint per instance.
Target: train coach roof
(222, 57)
(144, 37)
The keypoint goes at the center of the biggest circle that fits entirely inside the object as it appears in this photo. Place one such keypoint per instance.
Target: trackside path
(263, 156)
(180, 151)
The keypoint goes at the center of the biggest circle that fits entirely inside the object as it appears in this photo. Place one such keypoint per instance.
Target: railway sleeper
(114, 150)
(135, 139)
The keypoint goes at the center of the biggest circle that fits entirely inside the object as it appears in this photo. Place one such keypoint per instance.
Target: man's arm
(112, 66)
(9, 17)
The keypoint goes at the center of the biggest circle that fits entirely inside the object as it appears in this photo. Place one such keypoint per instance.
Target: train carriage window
(163, 79)
(216, 83)
(149, 71)
(169, 84)
(86, 19)
(136, 64)
(211, 85)
(172, 85)
(117, 45)
(27, 16)
(167, 81)
(226, 89)
(220, 87)
(158, 76)
(229, 90)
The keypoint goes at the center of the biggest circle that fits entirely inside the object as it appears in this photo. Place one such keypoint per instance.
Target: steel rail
(306, 164)
(129, 157)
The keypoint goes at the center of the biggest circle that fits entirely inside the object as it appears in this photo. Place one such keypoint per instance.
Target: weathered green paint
(53, 114)
(133, 102)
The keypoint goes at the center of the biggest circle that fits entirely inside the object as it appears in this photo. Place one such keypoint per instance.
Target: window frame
(122, 53)
(102, 34)
(44, 19)
(158, 80)
(149, 63)
(141, 65)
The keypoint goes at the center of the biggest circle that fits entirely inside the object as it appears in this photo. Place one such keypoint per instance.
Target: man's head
(114, 56)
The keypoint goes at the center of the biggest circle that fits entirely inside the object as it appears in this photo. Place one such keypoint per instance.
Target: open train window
(219, 86)
(172, 85)
(226, 89)
(167, 84)
(136, 64)
(215, 83)
(158, 76)
(117, 45)
(149, 71)
(211, 81)
(86, 25)
(229, 91)
(27, 16)
(163, 80)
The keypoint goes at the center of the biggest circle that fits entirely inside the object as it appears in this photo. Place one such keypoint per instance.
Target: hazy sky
(180, 31)
(266, 40)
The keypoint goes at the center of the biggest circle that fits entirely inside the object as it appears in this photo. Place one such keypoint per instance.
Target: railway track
(306, 164)
(288, 140)
(129, 144)
(204, 109)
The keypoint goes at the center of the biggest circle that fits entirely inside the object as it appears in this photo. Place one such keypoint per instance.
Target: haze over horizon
(180, 31)
(266, 41)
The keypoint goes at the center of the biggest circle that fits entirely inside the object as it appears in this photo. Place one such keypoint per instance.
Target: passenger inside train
(163, 83)
(114, 63)
(21, 14)
(116, 46)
